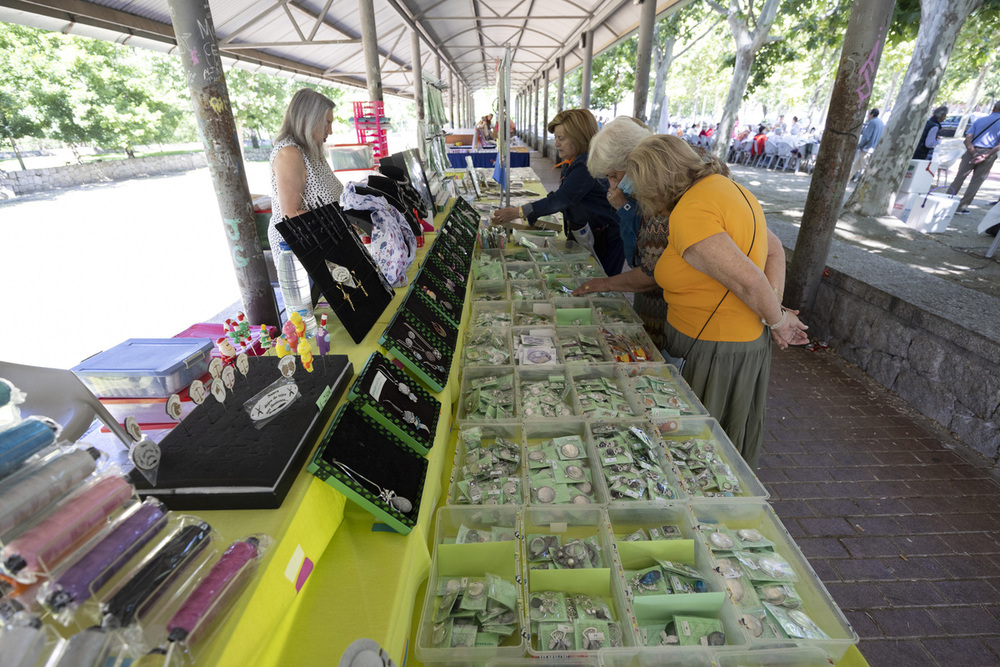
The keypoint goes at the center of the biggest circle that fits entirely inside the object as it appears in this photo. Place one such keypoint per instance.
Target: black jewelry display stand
(371, 451)
(217, 460)
(434, 371)
(325, 235)
(384, 391)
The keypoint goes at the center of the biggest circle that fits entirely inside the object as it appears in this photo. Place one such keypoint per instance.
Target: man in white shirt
(982, 142)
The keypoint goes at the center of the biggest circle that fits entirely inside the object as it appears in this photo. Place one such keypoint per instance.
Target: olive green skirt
(731, 381)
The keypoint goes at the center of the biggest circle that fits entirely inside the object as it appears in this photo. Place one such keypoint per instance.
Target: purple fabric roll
(107, 557)
(206, 599)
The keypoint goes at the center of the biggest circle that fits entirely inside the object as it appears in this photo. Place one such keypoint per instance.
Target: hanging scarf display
(393, 246)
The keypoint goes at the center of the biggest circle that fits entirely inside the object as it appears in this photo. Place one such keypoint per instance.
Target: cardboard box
(918, 177)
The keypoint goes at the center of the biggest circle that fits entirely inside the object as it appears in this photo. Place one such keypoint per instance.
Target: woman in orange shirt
(722, 275)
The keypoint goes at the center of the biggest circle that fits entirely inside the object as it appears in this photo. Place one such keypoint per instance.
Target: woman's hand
(791, 331)
(616, 198)
(591, 286)
(505, 215)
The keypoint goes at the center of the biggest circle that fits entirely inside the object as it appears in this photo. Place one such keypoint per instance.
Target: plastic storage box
(146, 366)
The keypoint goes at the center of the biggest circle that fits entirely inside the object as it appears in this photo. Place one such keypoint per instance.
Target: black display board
(216, 459)
(323, 239)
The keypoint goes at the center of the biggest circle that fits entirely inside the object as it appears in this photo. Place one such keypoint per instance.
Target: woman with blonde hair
(722, 275)
(301, 178)
(587, 216)
(642, 238)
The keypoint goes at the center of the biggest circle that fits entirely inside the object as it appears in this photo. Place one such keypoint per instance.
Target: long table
(334, 574)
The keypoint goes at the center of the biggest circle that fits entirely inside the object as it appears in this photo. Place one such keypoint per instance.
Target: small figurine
(289, 330)
(282, 347)
(305, 354)
(226, 349)
(323, 337)
(243, 329)
(300, 325)
(265, 338)
(229, 327)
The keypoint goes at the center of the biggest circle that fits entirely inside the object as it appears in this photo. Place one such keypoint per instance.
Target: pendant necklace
(388, 496)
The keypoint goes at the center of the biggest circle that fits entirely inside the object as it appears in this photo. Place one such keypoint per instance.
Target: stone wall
(31, 181)
(946, 370)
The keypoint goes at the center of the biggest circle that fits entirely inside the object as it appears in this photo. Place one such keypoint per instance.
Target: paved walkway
(900, 526)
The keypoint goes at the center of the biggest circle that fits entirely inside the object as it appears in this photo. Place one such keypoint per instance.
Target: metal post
(534, 125)
(369, 43)
(644, 53)
(588, 69)
(195, 33)
(451, 99)
(562, 82)
(503, 134)
(437, 67)
(545, 116)
(418, 92)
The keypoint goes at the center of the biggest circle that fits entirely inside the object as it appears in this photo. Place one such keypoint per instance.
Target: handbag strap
(718, 305)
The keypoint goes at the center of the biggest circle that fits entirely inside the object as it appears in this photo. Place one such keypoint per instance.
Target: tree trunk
(940, 23)
(663, 62)
(971, 104)
(17, 154)
(866, 32)
(887, 103)
(741, 74)
(748, 40)
(254, 140)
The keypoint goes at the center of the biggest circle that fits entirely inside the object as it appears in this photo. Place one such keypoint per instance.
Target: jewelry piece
(409, 417)
(538, 547)
(749, 535)
(752, 624)
(557, 641)
(358, 281)
(406, 391)
(721, 541)
(585, 488)
(545, 494)
(570, 451)
(574, 472)
(476, 589)
(716, 638)
(432, 351)
(592, 639)
(580, 500)
(439, 329)
(346, 297)
(536, 455)
(388, 496)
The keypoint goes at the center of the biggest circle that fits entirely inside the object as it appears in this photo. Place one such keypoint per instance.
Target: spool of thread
(23, 498)
(50, 540)
(21, 441)
(107, 557)
(213, 593)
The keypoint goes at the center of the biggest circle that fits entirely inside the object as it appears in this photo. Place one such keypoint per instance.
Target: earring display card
(337, 261)
(420, 307)
(422, 351)
(445, 287)
(365, 461)
(387, 394)
(216, 458)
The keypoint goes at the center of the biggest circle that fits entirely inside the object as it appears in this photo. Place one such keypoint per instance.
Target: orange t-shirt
(711, 206)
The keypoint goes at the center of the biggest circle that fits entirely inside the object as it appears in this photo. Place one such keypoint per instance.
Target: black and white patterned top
(321, 186)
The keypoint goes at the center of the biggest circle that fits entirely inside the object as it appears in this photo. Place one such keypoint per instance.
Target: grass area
(63, 159)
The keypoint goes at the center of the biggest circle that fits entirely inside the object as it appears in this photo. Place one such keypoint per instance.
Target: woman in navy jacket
(588, 218)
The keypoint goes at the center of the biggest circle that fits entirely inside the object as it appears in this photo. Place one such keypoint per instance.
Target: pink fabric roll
(75, 517)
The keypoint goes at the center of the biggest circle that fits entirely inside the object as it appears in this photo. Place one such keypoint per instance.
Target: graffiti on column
(867, 73)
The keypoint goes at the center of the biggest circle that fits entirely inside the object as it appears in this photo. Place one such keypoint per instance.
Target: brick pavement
(903, 530)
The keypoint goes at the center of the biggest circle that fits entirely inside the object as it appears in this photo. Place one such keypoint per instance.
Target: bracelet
(784, 315)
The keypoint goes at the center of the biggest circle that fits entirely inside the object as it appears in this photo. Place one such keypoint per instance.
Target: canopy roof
(320, 40)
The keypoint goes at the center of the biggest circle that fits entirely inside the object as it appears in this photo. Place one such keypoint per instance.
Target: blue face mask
(625, 185)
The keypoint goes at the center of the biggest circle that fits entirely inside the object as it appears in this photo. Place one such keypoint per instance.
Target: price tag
(323, 398)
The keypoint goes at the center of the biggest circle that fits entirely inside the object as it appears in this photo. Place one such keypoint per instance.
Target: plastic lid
(148, 356)
(283, 246)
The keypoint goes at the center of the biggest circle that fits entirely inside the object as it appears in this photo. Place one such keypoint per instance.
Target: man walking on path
(869, 140)
(982, 141)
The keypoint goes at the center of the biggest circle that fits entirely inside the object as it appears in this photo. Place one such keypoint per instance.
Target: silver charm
(388, 496)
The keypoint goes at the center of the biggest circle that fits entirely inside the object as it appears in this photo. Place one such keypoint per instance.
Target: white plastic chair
(770, 153)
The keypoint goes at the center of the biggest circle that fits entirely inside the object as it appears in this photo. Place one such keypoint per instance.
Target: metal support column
(195, 33)
(369, 43)
(451, 99)
(562, 83)
(534, 125)
(588, 69)
(545, 116)
(644, 55)
(418, 93)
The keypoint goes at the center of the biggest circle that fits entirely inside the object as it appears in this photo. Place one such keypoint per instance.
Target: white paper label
(377, 384)
(274, 401)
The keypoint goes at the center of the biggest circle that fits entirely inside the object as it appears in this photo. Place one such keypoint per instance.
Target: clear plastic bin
(605, 372)
(538, 433)
(508, 430)
(817, 602)
(521, 271)
(527, 290)
(678, 399)
(489, 291)
(146, 367)
(706, 428)
(543, 374)
(473, 373)
(471, 560)
(534, 313)
(490, 314)
(666, 470)
(641, 344)
(614, 312)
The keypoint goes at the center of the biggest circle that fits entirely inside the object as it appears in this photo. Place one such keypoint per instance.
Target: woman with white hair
(644, 240)
(301, 179)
